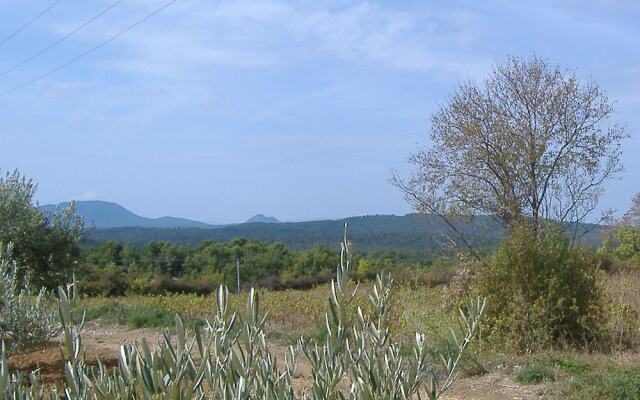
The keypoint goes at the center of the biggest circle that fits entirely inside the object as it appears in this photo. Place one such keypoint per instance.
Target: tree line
(115, 268)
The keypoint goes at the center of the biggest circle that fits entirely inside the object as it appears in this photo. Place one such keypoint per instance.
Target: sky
(218, 110)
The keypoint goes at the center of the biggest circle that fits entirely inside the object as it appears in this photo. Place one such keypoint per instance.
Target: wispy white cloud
(186, 41)
(56, 88)
(630, 5)
(281, 107)
(422, 41)
(251, 10)
(88, 196)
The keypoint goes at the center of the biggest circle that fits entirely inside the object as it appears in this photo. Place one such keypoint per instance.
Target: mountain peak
(105, 214)
(261, 218)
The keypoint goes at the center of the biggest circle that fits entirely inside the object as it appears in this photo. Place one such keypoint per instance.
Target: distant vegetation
(420, 235)
(114, 268)
(409, 233)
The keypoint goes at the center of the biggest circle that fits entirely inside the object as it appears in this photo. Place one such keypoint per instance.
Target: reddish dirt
(100, 342)
(493, 386)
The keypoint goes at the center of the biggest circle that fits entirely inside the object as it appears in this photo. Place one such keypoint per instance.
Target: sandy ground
(103, 341)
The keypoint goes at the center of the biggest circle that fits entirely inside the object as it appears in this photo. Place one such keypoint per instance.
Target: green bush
(27, 320)
(568, 364)
(532, 374)
(107, 280)
(146, 317)
(131, 316)
(112, 311)
(543, 291)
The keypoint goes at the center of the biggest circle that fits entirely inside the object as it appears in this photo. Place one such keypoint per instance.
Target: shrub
(543, 291)
(26, 320)
(112, 311)
(625, 385)
(131, 315)
(142, 317)
(107, 280)
(568, 364)
(532, 374)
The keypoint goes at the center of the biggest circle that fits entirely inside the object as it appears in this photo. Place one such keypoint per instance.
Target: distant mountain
(407, 234)
(104, 215)
(260, 218)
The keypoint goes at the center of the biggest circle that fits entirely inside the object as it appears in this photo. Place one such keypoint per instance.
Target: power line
(57, 42)
(30, 22)
(86, 53)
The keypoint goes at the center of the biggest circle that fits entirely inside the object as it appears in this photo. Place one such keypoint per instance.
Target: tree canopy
(47, 245)
(531, 143)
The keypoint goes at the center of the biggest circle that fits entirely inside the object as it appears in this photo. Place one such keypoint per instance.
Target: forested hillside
(408, 233)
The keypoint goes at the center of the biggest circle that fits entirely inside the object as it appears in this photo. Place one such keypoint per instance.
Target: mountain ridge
(101, 214)
(405, 233)
(262, 219)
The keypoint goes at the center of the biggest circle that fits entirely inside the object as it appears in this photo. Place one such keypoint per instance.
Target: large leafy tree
(45, 244)
(531, 143)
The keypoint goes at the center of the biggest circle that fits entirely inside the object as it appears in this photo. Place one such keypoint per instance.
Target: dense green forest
(411, 233)
(114, 268)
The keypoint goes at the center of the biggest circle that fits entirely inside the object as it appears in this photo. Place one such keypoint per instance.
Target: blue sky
(217, 110)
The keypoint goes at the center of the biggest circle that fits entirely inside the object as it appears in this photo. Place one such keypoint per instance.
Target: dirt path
(100, 342)
(491, 386)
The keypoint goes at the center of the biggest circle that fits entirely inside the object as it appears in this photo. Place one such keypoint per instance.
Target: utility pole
(238, 272)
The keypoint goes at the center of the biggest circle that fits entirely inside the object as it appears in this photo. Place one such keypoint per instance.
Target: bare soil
(100, 342)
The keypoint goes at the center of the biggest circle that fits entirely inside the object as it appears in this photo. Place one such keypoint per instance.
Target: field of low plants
(570, 373)
(291, 312)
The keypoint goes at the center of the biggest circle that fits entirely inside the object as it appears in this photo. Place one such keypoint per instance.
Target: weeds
(611, 383)
(532, 374)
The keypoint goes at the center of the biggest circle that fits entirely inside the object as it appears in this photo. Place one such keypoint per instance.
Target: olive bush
(26, 320)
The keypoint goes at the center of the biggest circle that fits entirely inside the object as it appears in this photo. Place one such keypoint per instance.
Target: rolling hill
(409, 233)
(104, 215)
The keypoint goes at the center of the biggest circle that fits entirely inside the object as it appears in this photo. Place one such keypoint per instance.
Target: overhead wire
(57, 42)
(89, 51)
(32, 20)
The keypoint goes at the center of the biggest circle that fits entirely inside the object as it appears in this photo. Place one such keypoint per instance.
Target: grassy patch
(567, 363)
(532, 374)
(112, 311)
(613, 383)
(145, 317)
(625, 385)
(137, 316)
(282, 337)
